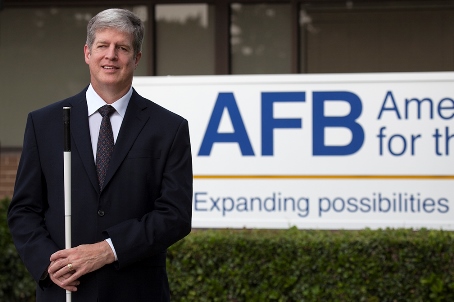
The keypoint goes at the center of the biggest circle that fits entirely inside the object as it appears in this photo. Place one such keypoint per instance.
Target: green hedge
(16, 284)
(294, 265)
(287, 265)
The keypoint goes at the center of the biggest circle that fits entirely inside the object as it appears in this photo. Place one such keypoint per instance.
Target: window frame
(222, 54)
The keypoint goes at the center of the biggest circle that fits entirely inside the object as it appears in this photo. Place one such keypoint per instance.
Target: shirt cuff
(109, 241)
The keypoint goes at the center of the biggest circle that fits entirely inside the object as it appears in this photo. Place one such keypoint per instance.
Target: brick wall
(9, 160)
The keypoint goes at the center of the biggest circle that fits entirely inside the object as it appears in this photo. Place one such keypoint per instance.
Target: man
(123, 218)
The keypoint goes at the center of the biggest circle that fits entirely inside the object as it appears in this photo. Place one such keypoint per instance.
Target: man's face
(111, 59)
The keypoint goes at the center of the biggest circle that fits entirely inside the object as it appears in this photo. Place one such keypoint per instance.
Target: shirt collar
(94, 101)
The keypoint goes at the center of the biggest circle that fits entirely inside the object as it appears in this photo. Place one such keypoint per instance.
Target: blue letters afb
(226, 102)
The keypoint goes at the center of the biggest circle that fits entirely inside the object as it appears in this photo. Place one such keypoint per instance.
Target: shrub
(295, 265)
(16, 284)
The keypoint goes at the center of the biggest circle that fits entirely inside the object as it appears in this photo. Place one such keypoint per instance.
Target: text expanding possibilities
(276, 202)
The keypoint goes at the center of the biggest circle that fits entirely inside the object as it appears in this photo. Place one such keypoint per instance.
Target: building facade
(41, 45)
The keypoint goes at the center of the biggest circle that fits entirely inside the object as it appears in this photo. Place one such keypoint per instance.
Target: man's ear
(87, 53)
(138, 56)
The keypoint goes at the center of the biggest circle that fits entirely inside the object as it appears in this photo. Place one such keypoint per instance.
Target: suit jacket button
(101, 213)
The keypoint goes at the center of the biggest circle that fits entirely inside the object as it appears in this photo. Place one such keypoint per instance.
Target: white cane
(67, 179)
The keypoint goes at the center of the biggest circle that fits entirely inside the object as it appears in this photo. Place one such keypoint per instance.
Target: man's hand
(71, 286)
(67, 266)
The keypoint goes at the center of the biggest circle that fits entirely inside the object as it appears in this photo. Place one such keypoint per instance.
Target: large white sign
(338, 151)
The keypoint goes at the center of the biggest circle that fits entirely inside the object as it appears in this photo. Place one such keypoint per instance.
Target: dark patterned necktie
(105, 143)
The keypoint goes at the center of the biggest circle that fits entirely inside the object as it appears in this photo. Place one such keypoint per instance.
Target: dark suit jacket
(144, 208)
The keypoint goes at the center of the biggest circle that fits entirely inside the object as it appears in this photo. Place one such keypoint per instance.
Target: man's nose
(111, 52)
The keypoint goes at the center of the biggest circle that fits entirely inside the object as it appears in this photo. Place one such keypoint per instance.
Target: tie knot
(106, 110)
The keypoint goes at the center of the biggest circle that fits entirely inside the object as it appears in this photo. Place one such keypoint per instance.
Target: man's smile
(109, 67)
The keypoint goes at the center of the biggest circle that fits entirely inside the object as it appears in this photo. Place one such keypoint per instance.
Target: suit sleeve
(28, 205)
(170, 220)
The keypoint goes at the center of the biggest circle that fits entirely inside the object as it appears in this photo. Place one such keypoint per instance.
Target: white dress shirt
(94, 102)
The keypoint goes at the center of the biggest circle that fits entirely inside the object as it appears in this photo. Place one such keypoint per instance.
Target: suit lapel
(136, 117)
(80, 133)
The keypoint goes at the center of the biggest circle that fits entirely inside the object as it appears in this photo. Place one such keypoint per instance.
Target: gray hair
(120, 19)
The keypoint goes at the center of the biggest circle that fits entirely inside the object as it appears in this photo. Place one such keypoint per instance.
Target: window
(384, 37)
(184, 39)
(260, 40)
